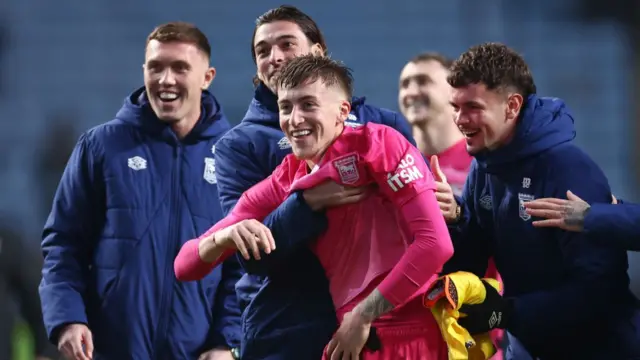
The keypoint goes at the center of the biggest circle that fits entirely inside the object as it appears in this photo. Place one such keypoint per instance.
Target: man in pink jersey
(374, 251)
(423, 97)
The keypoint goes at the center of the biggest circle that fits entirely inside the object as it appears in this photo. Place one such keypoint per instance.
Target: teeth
(469, 133)
(298, 133)
(168, 96)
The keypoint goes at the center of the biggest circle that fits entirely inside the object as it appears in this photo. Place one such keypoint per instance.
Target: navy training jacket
(288, 312)
(571, 293)
(130, 196)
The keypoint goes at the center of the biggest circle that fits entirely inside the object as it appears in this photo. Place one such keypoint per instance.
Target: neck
(183, 127)
(436, 134)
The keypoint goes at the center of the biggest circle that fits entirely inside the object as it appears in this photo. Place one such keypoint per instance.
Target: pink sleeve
(404, 178)
(256, 203)
(430, 249)
(397, 166)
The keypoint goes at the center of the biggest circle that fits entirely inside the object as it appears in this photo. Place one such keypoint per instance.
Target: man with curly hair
(565, 297)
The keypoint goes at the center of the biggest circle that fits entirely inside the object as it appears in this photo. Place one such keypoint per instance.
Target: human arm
(292, 224)
(407, 182)
(68, 240)
(616, 223)
(236, 231)
(619, 224)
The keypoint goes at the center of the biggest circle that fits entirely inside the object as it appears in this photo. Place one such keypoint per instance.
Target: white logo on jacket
(210, 170)
(137, 163)
(284, 143)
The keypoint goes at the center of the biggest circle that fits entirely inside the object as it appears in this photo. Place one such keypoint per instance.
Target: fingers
(573, 197)
(331, 347)
(437, 172)
(88, 343)
(547, 204)
(239, 239)
(557, 223)
(445, 198)
(545, 214)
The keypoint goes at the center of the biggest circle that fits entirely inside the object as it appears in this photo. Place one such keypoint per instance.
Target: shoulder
(238, 137)
(570, 157)
(98, 137)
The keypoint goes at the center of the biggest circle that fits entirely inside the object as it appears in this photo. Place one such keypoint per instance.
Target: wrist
(209, 249)
(363, 318)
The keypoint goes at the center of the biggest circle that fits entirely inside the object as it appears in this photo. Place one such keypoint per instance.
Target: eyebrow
(300, 99)
(278, 39)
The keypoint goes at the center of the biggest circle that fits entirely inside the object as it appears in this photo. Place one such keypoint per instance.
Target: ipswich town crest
(347, 169)
(523, 198)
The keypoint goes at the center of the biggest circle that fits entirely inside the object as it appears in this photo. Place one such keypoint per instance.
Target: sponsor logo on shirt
(406, 173)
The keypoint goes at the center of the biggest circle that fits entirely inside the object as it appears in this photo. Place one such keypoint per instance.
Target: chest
(142, 173)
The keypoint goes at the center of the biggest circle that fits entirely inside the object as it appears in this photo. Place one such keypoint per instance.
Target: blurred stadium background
(66, 66)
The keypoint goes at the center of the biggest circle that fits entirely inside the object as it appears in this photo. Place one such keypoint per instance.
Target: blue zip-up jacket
(571, 295)
(288, 312)
(130, 196)
(618, 224)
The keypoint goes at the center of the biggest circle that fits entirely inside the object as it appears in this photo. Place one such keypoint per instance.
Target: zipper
(166, 299)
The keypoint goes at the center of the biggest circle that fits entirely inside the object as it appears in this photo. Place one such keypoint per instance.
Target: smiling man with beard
(134, 190)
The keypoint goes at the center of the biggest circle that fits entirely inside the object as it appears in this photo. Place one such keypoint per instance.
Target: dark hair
(496, 66)
(181, 32)
(310, 68)
(292, 14)
(433, 56)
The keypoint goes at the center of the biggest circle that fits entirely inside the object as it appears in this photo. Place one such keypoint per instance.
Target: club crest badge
(347, 169)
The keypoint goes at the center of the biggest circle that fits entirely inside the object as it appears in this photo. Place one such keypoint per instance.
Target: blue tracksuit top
(130, 196)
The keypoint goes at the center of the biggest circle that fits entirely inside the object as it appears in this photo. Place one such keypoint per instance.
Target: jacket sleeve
(596, 273)
(293, 224)
(226, 330)
(68, 238)
(470, 240)
(619, 224)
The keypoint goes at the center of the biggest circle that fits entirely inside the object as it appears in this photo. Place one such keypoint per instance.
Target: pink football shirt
(398, 231)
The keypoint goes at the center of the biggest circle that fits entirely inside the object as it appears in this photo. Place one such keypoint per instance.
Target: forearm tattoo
(575, 212)
(374, 306)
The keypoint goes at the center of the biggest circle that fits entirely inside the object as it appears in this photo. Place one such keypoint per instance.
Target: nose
(276, 56)
(295, 118)
(412, 89)
(459, 118)
(167, 78)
